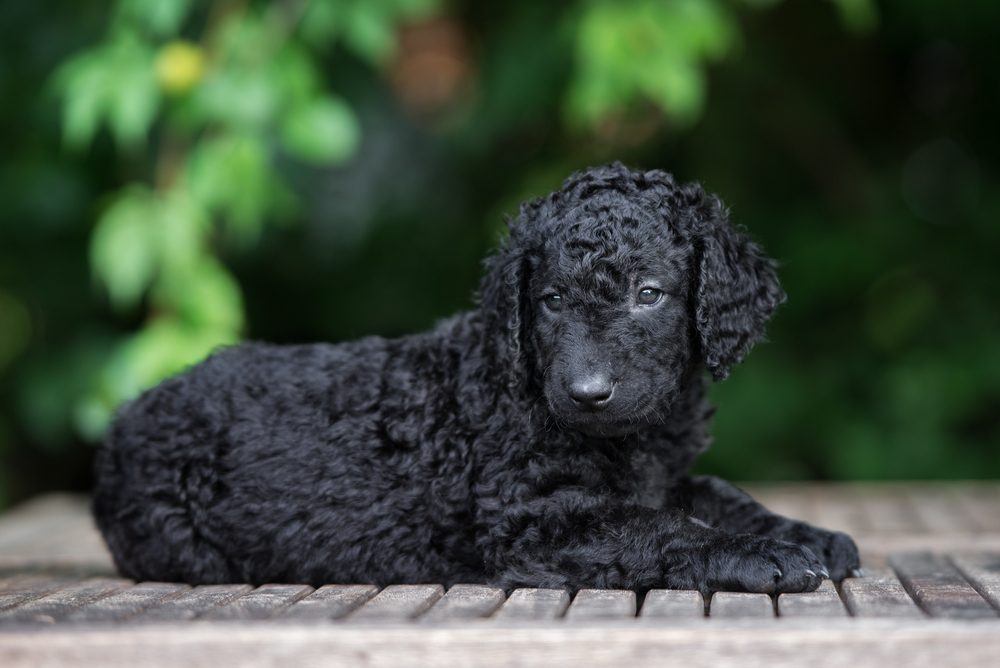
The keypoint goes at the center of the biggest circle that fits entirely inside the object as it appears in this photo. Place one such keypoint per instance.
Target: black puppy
(541, 439)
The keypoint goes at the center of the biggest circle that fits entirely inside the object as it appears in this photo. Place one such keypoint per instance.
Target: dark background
(857, 141)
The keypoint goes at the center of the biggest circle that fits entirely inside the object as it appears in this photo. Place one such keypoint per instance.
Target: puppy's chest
(651, 479)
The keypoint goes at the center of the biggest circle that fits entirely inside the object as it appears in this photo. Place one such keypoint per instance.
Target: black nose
(592, 392)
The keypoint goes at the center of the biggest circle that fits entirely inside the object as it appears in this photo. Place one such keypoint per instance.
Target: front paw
(835, 549)
(746, 562)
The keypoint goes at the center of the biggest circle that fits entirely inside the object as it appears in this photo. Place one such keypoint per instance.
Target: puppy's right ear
(503, 306)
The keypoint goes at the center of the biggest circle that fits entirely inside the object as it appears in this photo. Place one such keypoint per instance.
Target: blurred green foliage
(182, 174)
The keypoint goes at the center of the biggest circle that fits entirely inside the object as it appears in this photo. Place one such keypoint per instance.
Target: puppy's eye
(553, 302)
(648, 296)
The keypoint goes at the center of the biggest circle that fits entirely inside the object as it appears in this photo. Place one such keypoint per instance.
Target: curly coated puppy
(542, 439)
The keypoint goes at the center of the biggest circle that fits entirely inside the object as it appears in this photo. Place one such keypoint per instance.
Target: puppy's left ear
(737, 288)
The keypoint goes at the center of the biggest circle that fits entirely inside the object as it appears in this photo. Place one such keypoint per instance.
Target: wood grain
(20, 590)
(193, 603)
(590, 604)
(668, 603)
(937, 586)
(263, 602)
(983, 572)
(534, 604)
(691, 644)
(879, 594)
(126, 602)
(824, 602)
(735, 605)
(398, 603)
(62, 602)
(465, 601)
(330, 602)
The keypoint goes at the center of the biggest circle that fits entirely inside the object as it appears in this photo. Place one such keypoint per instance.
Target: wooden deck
(931, 596)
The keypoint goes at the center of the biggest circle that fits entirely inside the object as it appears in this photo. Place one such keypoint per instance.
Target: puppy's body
(479, 451)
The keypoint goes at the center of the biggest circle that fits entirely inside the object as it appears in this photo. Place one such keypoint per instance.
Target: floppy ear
(737, 289)
(503, 305)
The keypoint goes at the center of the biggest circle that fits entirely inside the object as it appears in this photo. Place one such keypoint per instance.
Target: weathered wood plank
(785, 499)
(838, 507)
(126, 602)
(879, 594)
(982, 502)
(824, 602)
(263, 602)
(591, 604)
(692, 644)
(534, 604)
(62, 602)
(888, 509)
(193, 603)
(983, 571)
(19, 590)
(670, 603)
(397, 603)
(37, 519)
(465, 601)
(940, 510)
(330, 602)
(731, 605)
(938, 587)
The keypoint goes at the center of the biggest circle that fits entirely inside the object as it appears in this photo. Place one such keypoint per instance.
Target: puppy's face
(612, 291)
(611, 321)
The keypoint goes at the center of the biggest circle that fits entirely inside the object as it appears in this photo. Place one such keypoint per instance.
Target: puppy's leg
(727, 507)
(578, 539)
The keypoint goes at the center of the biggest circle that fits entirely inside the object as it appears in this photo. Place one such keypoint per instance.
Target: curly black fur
(487, 449)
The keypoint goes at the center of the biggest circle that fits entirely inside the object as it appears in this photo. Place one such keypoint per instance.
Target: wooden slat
(330, 602)
(824, 602)
(19, 590)
(938, 587)
(534, 604)
(263, 602)
(661, 603)
(889, 511)
(784, 499)
(602, 604)
(879, 594)
(193, 603)
(64, 601)
(873, 644)
(126, 602)
(37, 519)
(729, 605)
(398, 602)
(981, 501)
(465, 602)
(940, 510)
(983, 571)
(838, 507)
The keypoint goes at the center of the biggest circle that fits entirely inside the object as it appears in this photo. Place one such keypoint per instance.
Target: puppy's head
(609, 292)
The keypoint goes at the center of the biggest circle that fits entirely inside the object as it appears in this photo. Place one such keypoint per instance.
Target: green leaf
(370, 33)
(205, 296)
(116, 83)
(231, 175)
(627, 52)
(163, 18)
(81, 81)
(124, 246)
(321, 22)
(182, 227)
(322, 131)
